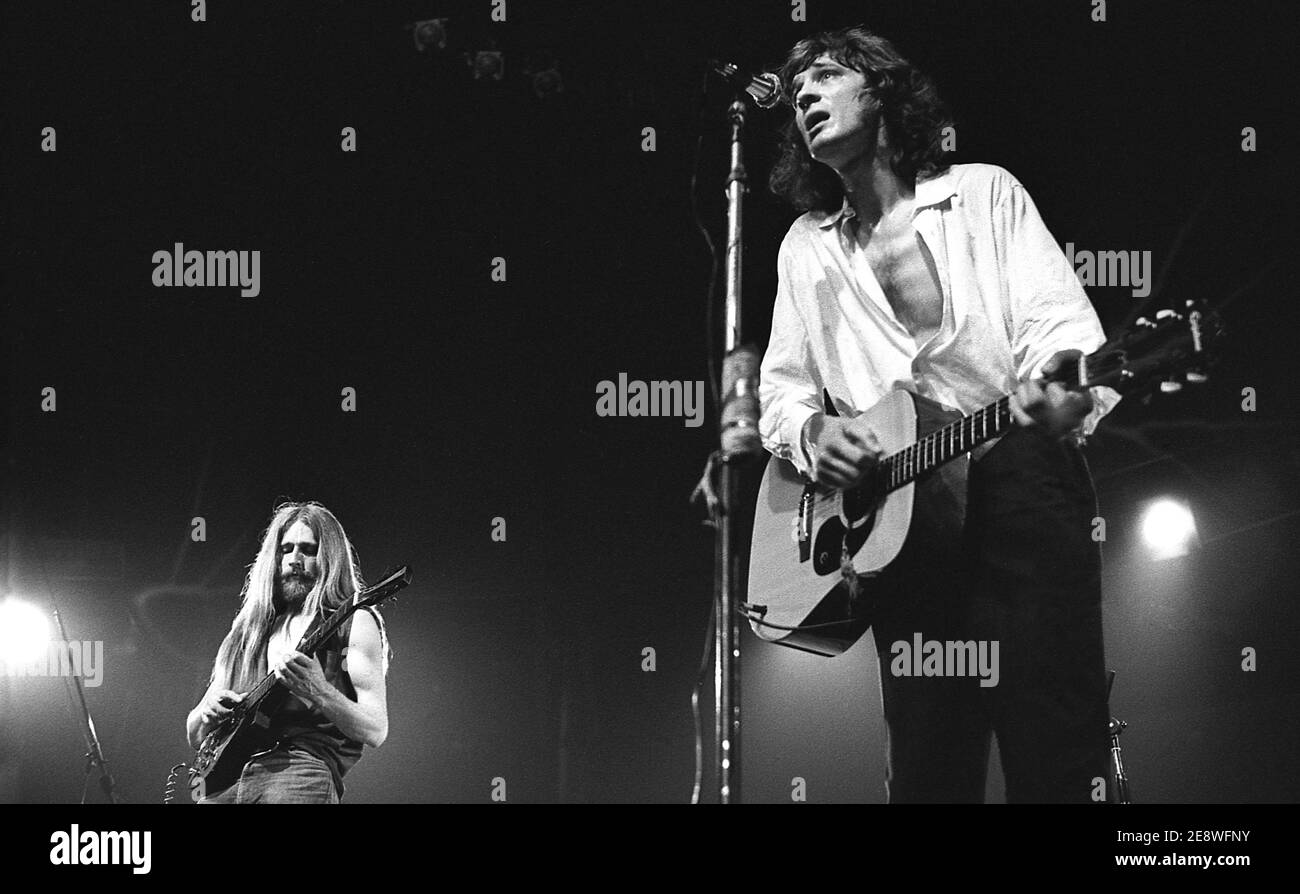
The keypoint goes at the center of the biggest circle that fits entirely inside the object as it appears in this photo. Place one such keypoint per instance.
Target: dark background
(523, 659)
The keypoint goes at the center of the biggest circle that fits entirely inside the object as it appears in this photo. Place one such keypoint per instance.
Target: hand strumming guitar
(215, 707)
(844, 450)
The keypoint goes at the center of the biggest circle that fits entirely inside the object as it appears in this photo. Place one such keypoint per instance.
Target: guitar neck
(944, 444)
(1169, 346)
(320, 631)
(311, 641)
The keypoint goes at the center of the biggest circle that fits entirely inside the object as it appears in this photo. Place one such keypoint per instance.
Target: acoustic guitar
(816, 551)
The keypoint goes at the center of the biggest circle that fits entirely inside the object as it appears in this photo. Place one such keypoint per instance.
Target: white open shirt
(1010, 301)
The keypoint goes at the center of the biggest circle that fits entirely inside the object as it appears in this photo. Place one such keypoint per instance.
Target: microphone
(740, 409)
(764, 88)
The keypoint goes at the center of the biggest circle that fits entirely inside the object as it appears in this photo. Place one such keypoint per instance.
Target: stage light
(547, 83)
(430, 34)
(1169, 528)
(544, 72)
(24, 632)
(489, 65)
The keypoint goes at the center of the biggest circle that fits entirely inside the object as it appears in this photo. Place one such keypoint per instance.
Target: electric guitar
(816, 550)
(242, 733)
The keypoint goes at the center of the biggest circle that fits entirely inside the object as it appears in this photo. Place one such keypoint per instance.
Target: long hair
(241, 660)
(911, 110)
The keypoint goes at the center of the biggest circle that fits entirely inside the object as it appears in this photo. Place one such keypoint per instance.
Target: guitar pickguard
(834, 536)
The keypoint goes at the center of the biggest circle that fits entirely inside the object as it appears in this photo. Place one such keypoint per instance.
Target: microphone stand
(94, 754)
(1114, 728)
(738, 427)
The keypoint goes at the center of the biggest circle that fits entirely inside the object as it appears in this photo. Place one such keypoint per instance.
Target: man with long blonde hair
(305, 566)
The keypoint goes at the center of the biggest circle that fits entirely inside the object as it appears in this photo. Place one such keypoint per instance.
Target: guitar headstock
(385, 589)
(1174, 348)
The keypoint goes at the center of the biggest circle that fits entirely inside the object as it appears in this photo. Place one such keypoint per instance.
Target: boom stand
(1114, 728)
(94, 754)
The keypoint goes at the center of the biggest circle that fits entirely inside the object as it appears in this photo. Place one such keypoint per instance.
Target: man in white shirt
(906, 273)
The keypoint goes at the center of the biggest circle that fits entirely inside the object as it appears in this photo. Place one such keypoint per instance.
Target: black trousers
(1028, 576)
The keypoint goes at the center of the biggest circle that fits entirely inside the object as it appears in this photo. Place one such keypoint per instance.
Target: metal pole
(728, 580)
(94, 753)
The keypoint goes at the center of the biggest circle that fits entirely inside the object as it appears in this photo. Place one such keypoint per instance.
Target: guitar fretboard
(318, 633)
(935, 449)
(310, 642)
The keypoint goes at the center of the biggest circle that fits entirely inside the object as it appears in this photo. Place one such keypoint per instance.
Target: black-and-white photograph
(798, 402)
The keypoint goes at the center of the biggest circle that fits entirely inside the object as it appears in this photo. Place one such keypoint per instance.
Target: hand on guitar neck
(1047, 403)
(844, 450)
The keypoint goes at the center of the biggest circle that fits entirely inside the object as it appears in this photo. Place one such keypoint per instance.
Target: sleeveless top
(299, 725)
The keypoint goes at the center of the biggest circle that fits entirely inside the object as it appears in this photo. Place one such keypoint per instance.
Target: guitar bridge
(803, 522)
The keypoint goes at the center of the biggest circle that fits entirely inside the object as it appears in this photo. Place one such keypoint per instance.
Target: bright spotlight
(1169, 528)
(24, 633)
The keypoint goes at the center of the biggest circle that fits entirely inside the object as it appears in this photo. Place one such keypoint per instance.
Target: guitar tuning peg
(1165, 313)
(1194, 377)
(1170, 386)
(1143, 321)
